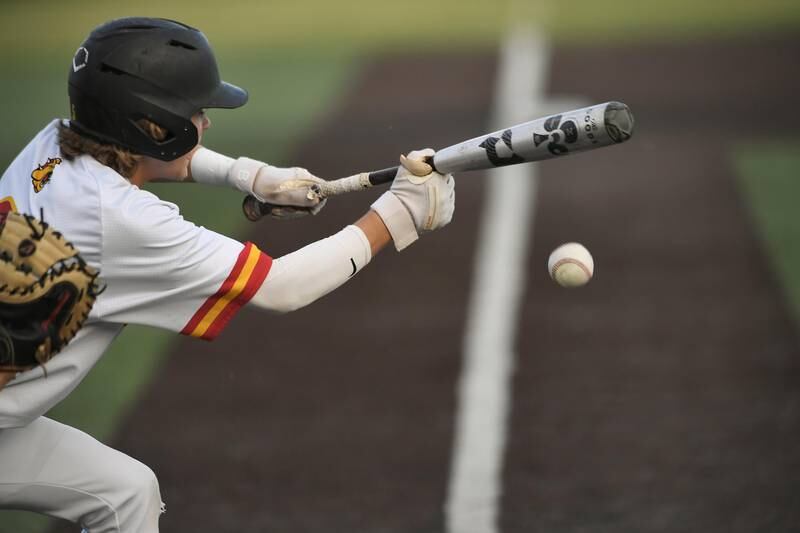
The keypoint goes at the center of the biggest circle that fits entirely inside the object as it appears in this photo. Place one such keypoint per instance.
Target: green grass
(770, 180)
(376, 24)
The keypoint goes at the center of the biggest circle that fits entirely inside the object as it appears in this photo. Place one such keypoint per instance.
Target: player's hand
(428, 196)
(293, 191)
(418, 201)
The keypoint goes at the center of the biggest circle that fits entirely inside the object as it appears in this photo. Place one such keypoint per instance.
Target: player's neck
(137, 179)
(5, 377)
(150, 169)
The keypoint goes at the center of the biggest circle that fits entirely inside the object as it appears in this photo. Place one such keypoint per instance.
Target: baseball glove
(46, 292)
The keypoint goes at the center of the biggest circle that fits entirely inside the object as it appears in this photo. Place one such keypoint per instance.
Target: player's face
(202, 122)
(150, 169)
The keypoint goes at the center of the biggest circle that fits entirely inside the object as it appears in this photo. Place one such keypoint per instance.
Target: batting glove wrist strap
(243, 173)
(397, 219)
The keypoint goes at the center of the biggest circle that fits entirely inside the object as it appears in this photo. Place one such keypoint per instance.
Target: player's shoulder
(119, 198)
(42, 167)
(133, 204)
(48, 134)
(45, 141)
(139, 217)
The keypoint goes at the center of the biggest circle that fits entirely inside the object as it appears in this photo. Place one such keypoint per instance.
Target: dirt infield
(662, 397)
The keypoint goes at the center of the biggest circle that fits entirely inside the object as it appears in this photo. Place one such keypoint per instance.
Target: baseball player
(138, 88)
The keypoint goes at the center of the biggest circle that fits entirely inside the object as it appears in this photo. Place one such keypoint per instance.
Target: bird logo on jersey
(41, 174)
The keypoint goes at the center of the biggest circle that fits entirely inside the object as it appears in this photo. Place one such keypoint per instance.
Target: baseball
(571, 265)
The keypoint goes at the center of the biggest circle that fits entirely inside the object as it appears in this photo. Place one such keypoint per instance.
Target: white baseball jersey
(159, 269)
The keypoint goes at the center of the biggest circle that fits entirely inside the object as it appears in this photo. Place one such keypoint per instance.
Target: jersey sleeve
(161, 270)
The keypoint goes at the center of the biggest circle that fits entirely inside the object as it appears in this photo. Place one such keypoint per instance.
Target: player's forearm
(301, 277)
(212, 168)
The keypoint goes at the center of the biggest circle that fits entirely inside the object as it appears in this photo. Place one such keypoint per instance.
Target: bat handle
(387, 175)
(255, 210)
(379, 177)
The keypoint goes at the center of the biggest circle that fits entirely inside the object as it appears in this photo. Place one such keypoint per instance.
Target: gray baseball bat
(545, 138)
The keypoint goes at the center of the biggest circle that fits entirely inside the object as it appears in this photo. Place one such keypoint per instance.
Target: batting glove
(293, 191)
(418, 201)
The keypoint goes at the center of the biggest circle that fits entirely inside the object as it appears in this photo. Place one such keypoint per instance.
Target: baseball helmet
(158, 69)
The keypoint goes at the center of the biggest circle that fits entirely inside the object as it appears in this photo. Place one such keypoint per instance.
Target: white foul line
(485, 389)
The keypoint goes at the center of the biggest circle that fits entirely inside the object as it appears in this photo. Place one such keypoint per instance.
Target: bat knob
(253, 209)
(619, 121)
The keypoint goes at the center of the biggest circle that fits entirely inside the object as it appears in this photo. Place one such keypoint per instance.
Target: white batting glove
(418, 201)
(293, 191)
(293, 186)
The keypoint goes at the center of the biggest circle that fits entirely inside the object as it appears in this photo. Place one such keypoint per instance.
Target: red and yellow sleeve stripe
(248, 274)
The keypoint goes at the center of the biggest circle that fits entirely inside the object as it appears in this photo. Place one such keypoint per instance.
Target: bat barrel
(538, 140)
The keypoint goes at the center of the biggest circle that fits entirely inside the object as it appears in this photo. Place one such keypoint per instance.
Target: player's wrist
(375, 231)
(397, 218)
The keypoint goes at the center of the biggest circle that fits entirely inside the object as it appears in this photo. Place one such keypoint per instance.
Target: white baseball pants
(50, 468)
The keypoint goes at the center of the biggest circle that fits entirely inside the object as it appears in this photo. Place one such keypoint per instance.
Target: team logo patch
(80, 59)
(41, 174)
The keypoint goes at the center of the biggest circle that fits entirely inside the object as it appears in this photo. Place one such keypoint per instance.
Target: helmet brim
(228, 96)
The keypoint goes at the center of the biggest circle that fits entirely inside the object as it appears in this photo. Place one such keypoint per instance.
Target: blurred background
(663, 397)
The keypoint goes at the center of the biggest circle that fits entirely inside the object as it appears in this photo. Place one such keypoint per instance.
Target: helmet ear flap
(155, 131)
(94, 119)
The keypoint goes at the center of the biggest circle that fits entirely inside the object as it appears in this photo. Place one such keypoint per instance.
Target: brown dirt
(662, 397)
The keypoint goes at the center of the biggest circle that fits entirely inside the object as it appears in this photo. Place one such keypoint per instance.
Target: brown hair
(73, 144)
